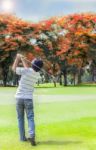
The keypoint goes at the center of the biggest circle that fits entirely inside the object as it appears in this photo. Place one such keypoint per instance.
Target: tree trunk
(54, 83)
(5, 74)
(64, 71)
(79, 75)
(65, 78)
(15, 80)
(93, 74)
(4, 79)
(74, 79)
(60, 79)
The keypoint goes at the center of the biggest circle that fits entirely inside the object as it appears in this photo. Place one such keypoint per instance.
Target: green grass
(67, 90)
(49, 89)
(59, 125)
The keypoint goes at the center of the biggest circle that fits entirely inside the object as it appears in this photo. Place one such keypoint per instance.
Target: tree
(70, 39)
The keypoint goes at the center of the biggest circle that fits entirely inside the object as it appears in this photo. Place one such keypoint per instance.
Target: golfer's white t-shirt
(26, 84)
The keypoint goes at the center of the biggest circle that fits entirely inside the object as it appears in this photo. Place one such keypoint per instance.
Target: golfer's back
(26, 84)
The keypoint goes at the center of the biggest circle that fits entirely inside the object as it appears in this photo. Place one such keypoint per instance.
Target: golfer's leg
(20, 115)
(30, 117)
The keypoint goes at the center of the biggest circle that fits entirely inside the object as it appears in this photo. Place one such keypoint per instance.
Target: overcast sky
(36, 10)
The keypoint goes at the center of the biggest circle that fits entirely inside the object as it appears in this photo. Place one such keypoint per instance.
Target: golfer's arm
(24, 62)
(15, 64)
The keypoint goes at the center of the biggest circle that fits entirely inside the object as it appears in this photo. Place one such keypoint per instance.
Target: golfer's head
(37, 64)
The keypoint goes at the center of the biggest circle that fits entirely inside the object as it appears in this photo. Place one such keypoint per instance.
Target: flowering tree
(71, 39)
(14, 34)
(60, 41)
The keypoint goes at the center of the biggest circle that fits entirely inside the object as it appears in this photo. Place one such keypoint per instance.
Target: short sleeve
(21, 70)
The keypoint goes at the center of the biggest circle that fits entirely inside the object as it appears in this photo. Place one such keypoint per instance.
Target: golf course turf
(60, 125)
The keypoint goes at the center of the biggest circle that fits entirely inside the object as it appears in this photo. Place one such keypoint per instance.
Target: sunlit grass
(59, 125)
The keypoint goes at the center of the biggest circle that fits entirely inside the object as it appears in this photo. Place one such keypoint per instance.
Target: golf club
(42, 70)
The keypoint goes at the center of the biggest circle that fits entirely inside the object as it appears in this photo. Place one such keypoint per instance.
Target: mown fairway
(60, 125)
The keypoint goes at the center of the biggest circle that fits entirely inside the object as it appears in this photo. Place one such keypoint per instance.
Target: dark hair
(37, 64)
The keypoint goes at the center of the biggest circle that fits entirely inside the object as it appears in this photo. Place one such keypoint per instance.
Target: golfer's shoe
(32, 141)
(24, 140)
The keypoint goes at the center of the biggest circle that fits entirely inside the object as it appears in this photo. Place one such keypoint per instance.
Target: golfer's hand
(18, 56)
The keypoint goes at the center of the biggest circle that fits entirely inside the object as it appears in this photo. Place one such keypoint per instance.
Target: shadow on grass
(58, 142)
(62, 86)
(78, 86)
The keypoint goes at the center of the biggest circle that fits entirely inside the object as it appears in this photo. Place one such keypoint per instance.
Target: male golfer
(24, 94)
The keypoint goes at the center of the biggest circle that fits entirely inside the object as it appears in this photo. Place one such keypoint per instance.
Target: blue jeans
(22, 106)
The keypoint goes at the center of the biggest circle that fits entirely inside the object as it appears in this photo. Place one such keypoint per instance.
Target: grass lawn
(49, 89)
(66, 125)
